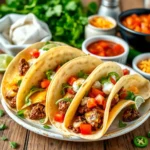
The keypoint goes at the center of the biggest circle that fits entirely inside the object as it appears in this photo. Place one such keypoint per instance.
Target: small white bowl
(91, 30)
(136, 60)
(122, 58)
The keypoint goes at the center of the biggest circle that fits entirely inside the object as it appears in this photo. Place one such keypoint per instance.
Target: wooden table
(30, 141)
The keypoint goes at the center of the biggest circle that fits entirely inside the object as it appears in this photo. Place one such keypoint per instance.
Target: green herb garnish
(33, 90)
(49, 73)
(46, 48)
(1, 113)
(122, 124)
(130, 95)
(82, 74)
(64, 99)
(4, 138)
(13, 145)
(42, 120)
(103, 80)
(3, 126)
(64, 87)
(20, 113)
(19, 82)
(47, 127)
(48, 42)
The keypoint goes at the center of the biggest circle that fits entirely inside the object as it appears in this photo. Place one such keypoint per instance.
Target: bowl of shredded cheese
(100, 25)
(141, 64)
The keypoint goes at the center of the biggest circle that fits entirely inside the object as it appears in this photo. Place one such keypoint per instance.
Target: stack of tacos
(77, 93)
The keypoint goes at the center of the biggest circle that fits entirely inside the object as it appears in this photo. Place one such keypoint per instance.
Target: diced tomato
(95, 92)
(57, 68)
(91, 103)
(123, 95)
(70, 90)
(90, 94)
(71, 80)
(85, 128)
(35, 53)
(126, 71)
(45, 83)
(59, 117)
(113, 81)
(100, 100)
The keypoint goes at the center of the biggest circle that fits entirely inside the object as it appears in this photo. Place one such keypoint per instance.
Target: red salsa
(105, 48)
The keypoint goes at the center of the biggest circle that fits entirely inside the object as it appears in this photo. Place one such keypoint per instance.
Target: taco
(19, 67)
(88, 113)
(133, 91)
(92, 115)
(66, 85)
(31, 97)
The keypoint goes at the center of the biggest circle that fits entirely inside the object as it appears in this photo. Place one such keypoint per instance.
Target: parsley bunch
(66, 19)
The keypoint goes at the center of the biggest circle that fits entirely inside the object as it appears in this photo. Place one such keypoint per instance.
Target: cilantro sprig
(64, 87)
(1, 113)
(122, 124)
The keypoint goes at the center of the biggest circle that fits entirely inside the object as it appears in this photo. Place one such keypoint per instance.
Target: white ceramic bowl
(120, 58)
(136, 60)
(91, 30)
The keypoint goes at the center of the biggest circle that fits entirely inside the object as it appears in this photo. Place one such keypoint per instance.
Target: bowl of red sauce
(107, 48)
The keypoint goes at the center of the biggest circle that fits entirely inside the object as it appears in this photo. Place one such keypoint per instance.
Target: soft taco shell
(12, 74)
(85, 63)
(101, 71)
(50, 60)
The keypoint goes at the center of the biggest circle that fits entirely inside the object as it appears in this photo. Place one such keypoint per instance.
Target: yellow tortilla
(85, 63)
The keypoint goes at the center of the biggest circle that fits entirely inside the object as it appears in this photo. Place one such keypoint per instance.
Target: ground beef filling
(130, 114)
(23, 66)
(92, 116)
(37, 112)
(11, 96)
(12, 102)
(63, 106)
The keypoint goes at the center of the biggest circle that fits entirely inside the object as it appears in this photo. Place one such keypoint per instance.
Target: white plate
(54, 133)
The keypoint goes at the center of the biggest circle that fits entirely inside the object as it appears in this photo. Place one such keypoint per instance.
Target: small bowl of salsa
(107, 48)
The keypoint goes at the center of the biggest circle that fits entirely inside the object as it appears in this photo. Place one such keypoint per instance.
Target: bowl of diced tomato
(134, 26)
(106, 48)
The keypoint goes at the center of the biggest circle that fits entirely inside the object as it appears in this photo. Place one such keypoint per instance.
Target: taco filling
(90, 113)
(131, 113)
(36, 98)
(23, 67)
(68, 92)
